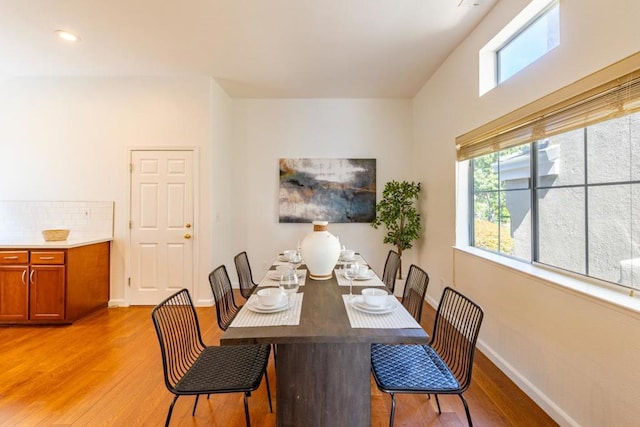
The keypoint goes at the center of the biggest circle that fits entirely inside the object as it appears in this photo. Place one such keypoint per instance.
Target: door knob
(188, 225)
(187, 236)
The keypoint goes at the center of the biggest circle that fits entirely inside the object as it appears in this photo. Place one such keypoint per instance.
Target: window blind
(615, 98)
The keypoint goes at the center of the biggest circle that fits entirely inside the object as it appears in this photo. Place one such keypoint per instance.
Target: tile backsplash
(24, 219)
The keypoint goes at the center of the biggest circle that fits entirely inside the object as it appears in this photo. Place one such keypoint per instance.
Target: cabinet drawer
(48, 257)
(14, 257)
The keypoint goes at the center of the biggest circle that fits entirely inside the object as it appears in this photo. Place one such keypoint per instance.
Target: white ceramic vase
(320, 251)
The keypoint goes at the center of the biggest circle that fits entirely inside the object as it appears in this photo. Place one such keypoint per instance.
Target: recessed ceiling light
(67, 36)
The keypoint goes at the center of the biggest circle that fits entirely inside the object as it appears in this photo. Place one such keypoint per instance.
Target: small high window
(535, 40)
(527, 38)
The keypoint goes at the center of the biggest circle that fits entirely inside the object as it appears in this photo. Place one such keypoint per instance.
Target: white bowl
(270, 296)
(375, 297)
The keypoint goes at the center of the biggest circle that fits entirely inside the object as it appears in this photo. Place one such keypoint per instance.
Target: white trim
(118, 303)
(541, 399)
(547, 405)
(603, 293)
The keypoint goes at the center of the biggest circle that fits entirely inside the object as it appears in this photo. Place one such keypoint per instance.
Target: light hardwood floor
(106, 370)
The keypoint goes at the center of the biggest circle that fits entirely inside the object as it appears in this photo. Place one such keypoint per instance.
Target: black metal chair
(415, 288)
(243, 268)
(226, 308)
(443, 366)
(390, 272)
(192, 368)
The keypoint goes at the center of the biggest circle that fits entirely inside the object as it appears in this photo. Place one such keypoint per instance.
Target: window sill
(603, 293)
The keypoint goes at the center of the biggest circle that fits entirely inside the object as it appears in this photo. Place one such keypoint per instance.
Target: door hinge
(130, 224)
(130, 167)
(129, 281)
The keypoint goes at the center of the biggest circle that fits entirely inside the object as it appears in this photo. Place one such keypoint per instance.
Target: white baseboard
(542, 400)
(547, 405)
(204, 302)
(117, 303)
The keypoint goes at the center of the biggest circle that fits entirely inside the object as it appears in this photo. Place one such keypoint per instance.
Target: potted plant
(397, 211)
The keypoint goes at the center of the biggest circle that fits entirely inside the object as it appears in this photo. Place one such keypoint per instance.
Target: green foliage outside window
(491, 216)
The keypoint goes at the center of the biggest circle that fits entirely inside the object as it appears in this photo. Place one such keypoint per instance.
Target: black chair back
(243, 268)
(226, 308)
(455, 333)
(390, 272)
(176, 324)
(415, 288)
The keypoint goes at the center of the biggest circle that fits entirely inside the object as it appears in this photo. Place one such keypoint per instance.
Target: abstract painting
(334, 190)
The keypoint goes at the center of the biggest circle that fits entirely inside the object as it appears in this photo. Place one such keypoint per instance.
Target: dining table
(323, 354)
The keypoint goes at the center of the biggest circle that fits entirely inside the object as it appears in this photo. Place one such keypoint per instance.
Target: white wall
(68, 139)
(575, 356)
(267, 130)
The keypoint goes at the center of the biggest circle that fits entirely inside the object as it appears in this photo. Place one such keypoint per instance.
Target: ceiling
(254, 48)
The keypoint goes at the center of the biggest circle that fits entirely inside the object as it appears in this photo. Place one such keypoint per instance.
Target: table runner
(247, 318)
(398, 318)
(266, 281)
(342, 281)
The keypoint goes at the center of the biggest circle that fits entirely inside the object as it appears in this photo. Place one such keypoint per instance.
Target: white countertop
(40, 243)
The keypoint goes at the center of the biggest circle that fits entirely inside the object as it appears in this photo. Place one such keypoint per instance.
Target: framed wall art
(335, 190)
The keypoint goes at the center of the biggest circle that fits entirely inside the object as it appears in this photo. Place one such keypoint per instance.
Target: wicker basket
(55, 235)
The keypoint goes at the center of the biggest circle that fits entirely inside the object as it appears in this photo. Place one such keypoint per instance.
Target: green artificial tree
(397, 211)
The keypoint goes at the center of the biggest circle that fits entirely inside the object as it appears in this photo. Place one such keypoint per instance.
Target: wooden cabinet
(14, 287)
(53, 286)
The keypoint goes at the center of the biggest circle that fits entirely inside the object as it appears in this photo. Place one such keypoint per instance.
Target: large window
(571, 200)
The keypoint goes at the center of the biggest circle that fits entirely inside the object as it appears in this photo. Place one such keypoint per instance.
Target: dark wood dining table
(323, 364)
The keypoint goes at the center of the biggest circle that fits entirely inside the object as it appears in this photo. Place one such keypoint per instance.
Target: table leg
(324, 385)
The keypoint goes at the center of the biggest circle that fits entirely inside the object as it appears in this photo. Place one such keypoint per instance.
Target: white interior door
(161, 224)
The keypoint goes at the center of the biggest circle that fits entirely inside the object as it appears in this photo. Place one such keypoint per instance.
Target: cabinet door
(14, 292)
(46, 292)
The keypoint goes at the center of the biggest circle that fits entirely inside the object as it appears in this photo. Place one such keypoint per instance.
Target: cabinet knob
(187, 236)
(187, 225)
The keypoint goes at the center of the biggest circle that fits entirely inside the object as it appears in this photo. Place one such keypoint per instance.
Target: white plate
(275, 275)
(255, 305)
(344, 259)
(283, 258)
(359, 300)
(370, 275)
(359, 304)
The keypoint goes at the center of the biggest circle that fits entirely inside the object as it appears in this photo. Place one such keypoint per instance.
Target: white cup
(363, 271)
(348, 254)
(289, 253)
(282, 268)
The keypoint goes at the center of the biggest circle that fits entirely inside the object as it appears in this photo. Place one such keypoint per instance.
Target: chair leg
(166, 424)
(466, 409)
(393, 409)
(246, 409)
(275, 354)
(266, 377)
(193, 413)
(438, 403)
